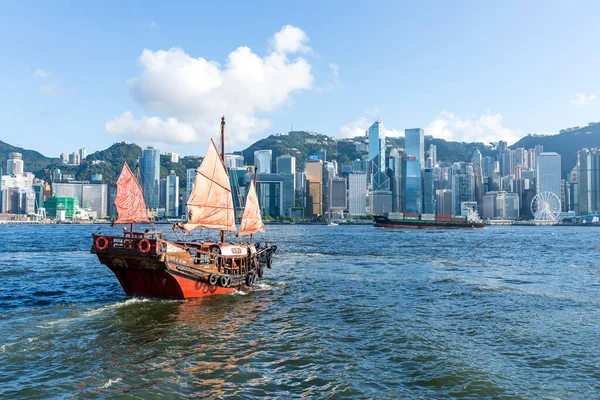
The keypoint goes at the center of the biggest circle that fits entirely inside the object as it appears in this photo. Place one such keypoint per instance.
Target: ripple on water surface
(347, 312)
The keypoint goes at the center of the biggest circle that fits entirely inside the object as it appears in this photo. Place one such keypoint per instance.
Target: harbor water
(346, 312)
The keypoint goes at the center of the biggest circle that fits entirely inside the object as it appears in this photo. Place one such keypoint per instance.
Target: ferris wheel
(545, 206)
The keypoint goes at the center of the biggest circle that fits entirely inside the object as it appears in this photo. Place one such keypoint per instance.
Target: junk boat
(146, 264)
(397, 220)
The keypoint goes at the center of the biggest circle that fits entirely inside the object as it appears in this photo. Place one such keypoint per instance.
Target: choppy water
(504, 312)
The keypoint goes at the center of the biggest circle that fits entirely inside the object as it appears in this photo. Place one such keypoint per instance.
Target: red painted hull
(415, 226)
(161, 283)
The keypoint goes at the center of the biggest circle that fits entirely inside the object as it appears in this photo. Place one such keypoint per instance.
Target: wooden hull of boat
(163, 284)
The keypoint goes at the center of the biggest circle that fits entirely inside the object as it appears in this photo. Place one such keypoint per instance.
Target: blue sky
(90, 74)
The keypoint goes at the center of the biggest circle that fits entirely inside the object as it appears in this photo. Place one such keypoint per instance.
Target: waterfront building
(477, 162)
(329, 172)
(548, 173)
(564, 195)
(395, 172)
(357, 193)
(338, 194)
(239, 179)
(276, 194)
(360, 166)
(300, 181)
(432, 157)
(588, 178)
(487, 166)
(414, 144)
(172, 195)
(506, 164)
(314, 188)
(379, 178)
(14, 164)
(286, 164)
(262, 161)
(190, 178)
(92, 196)
(162, 193)
(574, 197)
(150, 176)
(501, 205)
(443, 201)
(462, 181)
(234, 161)
(428, 191)
(502, 145)
(413, 164)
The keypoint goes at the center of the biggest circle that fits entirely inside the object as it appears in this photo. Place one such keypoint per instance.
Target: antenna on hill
(292, 130)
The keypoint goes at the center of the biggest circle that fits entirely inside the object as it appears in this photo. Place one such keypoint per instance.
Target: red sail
(130, 203)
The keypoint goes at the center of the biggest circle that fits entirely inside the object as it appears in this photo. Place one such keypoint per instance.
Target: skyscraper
(413, 164)
(478, 175)
(548, 173)
(286, 164)
(428, 191)
(395, 170)
(337, 194)
(463, 185)
(357, 193)
(432, 157)
(262, 161)
(500, 152)
(377, 146)
(172, 195)
(150, 176)
(14, 164)
(588, 176)
(314, 186)
(379, 178)
(234, 161)
(82, 154)
(414, 144)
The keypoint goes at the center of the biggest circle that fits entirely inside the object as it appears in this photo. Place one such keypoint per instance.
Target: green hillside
(566, 144)
(34, 161)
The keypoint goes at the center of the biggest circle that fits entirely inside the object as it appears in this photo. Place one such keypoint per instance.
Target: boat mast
(254, 180)
(137, 178)
(223, 159)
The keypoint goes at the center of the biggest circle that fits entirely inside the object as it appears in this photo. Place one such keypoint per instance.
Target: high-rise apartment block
(150, 176)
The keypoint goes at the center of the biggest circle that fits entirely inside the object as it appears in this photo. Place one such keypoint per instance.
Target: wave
(110, 382)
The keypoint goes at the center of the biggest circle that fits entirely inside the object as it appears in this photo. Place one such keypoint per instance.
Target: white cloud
(51, 89)
(40, 73)
(582, 99)
(195, 92)
(479, 128)
(152, 128)
(290, 39)
(358, 128)
(335, 69)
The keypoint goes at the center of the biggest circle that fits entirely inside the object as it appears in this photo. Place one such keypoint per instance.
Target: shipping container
(427, 217)
(412, 214)
(409, 218)
(395, 215)
(443, 217)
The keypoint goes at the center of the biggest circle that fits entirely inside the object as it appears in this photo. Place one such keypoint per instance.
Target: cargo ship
(395, 220)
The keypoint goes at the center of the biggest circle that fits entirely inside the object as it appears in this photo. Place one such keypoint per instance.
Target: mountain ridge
(302, 144)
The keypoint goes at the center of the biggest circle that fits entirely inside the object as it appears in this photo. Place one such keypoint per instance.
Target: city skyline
(73, 78)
